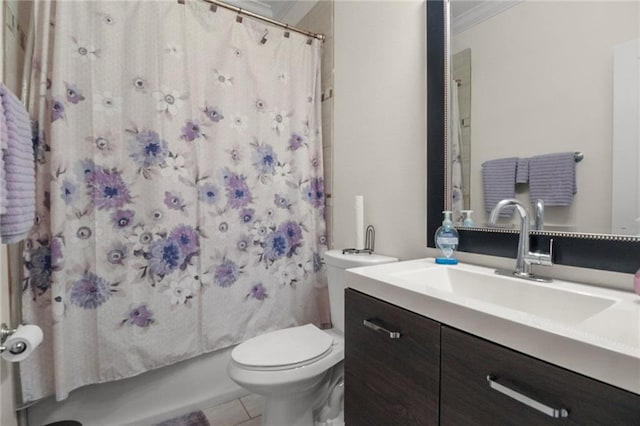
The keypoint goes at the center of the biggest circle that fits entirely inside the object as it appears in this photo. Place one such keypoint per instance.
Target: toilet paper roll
(21, 343)
(359, 210)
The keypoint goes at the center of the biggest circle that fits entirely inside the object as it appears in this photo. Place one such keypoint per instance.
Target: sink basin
(546, 301)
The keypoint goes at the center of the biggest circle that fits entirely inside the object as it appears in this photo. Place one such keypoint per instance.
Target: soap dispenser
(467, 222)
(446, 240)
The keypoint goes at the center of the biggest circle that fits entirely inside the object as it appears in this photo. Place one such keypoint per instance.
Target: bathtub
(146, 399)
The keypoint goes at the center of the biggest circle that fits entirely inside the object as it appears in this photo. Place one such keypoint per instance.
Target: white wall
(380, 137)
(380, 123)
(542, 82)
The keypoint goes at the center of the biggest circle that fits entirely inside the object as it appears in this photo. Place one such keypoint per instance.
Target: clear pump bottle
(446, 240)
(467, 221)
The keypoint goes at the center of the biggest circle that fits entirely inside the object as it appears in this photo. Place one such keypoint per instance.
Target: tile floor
(245, 411)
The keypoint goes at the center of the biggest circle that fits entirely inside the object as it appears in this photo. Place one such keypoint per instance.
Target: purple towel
(18, 178)
(552, 178)
(3, 146)
(498, 183)
(522, 170)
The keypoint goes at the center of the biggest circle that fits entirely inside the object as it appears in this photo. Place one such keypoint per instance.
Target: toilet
(299, 370)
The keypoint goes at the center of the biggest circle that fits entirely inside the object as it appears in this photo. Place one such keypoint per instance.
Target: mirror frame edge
(593, 251)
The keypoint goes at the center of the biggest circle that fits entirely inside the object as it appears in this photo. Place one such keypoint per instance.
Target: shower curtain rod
(241, 11)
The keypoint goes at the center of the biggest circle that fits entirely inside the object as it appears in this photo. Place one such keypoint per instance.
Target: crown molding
(480, 13)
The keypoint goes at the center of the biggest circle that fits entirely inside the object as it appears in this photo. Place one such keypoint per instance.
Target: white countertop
(605, 346)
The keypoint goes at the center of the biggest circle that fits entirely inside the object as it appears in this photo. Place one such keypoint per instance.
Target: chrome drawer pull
(376, 327)
(549, 411)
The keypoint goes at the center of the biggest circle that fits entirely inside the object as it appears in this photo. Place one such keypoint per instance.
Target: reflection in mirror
(587, 250)
(532, 78)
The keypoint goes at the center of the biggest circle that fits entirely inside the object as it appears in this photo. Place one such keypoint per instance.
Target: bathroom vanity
(427, 353)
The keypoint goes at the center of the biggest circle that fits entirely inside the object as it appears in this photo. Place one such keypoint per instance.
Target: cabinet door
(389, 381)
(468, 397)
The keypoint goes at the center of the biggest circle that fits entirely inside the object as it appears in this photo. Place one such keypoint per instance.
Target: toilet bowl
(299, 369)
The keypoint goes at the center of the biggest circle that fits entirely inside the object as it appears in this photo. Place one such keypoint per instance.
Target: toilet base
(288, 410)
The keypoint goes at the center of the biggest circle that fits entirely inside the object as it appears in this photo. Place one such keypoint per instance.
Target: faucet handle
(537, 258)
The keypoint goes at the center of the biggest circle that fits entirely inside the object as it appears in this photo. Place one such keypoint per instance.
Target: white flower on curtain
(174, 49)
(239, 122)
(107, 103)
(279, 120)
(174, 202)
(223, 79)
(84, 51)
(169, 100)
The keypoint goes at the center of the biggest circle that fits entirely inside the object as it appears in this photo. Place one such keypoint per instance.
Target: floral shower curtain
(180, 192)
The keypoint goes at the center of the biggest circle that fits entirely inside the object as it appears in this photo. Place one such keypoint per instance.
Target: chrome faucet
(525, 258)
(538, 223)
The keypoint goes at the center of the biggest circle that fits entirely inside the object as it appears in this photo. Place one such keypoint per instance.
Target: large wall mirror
(525, 80)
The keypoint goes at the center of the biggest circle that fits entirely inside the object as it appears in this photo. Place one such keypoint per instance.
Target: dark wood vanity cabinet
(467, 396)
(389, 379)
(441, 375)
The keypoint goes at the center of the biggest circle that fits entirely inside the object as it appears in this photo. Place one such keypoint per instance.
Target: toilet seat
(283, 349)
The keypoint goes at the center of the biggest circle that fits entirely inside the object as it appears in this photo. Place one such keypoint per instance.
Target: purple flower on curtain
(192, 131)
(139, 315)
(226, 273)
(314, 192)
(74, 95)
(122, 219)
(258, 292)
(246, 215)
(165, 256)
(264, 159)
(276, 245)
(208, 193)
(147, 149)
(293, 232)
(296, 141)
(213, 113)
(90, 291)
(84, 169)
(187, 239)
(57, 110)
(68, 191)
(107, 189)
(40, 266)
(238, 192)
(456, 195)
(281, 201)
(317, 262)
(174, 201)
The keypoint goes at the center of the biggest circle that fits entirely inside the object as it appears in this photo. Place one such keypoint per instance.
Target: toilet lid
(293, 345)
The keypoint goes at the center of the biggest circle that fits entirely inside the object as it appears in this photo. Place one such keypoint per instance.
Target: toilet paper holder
(16, 348)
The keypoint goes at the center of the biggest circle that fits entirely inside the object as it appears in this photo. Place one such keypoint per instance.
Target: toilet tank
(337, 263)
